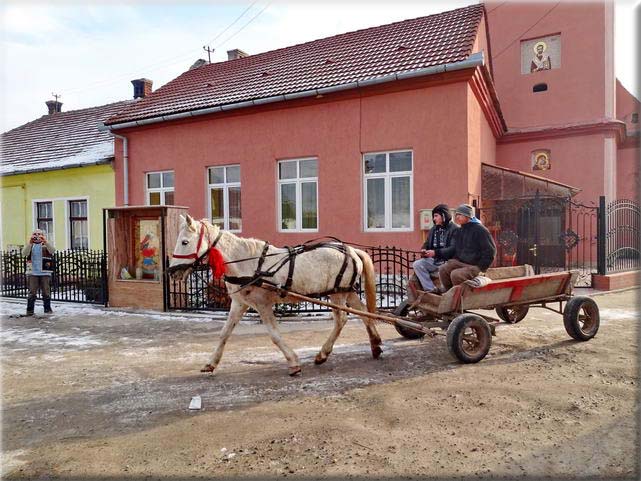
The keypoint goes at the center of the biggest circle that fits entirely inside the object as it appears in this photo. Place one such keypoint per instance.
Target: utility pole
(209, 51)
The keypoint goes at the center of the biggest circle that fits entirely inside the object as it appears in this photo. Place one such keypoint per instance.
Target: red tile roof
(342, 59)
(61, 140)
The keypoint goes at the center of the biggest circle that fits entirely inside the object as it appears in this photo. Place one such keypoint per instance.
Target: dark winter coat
(474, 245)
(441, 238)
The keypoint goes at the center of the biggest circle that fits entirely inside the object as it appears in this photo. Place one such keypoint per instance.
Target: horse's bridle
(200, 241)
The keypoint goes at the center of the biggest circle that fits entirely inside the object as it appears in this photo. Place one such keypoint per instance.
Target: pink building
(353, 135)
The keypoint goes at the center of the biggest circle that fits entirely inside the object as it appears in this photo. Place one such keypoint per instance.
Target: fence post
(600, 243)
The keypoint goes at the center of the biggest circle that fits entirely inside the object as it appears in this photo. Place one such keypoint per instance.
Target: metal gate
(550, 233)
(79, 276)
(619, 236)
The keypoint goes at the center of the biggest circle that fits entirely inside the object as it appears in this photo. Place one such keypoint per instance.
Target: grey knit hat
(465, 209)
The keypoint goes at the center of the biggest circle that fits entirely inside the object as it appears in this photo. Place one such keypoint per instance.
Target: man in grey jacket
(39, 253)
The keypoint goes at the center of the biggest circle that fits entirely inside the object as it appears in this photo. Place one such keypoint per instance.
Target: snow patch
(39, 337)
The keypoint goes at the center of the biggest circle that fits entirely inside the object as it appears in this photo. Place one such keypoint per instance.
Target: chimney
(54, 106)
(198, 63)
(142, 87)
(235, 54)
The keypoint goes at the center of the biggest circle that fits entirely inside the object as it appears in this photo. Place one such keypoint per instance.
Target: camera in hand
(36, 239)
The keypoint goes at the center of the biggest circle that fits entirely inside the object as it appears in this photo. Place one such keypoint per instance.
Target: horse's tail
(368, 277)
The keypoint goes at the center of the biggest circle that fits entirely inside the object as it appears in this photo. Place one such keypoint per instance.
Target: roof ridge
(247, 59)
(66, 113)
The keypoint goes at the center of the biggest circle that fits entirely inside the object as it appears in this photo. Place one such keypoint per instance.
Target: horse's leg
(236, 312)
(354, 302)
(267, 315)
(340, 318)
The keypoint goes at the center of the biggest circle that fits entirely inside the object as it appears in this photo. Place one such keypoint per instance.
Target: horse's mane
(255, 246)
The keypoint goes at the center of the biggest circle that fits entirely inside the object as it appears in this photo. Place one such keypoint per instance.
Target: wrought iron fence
(79, 276)
(620, 236)
(548, 232)
(202, 292)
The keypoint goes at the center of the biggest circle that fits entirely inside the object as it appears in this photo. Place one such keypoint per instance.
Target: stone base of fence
(620, 280)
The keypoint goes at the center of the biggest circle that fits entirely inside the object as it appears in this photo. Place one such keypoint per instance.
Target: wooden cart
(511, 293)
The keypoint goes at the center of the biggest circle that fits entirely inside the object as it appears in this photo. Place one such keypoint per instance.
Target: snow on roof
(57, 141)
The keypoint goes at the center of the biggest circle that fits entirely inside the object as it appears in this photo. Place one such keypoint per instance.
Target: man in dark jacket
(474, 249)
(438, 247)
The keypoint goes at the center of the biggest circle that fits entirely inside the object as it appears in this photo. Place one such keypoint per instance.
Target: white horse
(315, 272)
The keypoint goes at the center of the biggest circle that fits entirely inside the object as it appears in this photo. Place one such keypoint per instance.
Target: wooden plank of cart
(511, 293)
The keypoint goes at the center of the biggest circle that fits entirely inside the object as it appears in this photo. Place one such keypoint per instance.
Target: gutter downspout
(125, 166)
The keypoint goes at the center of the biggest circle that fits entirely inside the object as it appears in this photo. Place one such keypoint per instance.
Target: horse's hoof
(294, 371)
(208, 368)
(320, 359)
(376, 352)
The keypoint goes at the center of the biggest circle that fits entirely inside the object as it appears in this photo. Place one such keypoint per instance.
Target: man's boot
(47, 303)
(31, 303)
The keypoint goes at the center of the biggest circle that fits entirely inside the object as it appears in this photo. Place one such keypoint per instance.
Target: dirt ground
(90, 393)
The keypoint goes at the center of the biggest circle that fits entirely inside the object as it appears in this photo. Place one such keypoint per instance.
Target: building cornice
(616, 127)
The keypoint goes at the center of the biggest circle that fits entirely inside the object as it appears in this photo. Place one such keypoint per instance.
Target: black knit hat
(444, 210)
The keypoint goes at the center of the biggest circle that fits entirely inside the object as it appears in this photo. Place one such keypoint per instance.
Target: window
(224, 197)
(298, 195)
(160, 188)
(388, 190)
(78, 225)
(44, 218)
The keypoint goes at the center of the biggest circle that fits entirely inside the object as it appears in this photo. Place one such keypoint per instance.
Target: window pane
(167, 179)
(310, 212)
(169, 197)
(46, 226)
(217, 175)
(78, 208)
(400, 202)
(288, 206)
(287, 170)
(233, 173)
(400, 162)
(217, 207)
(235, 222)
(153, 181)
(44, 210)
(374, 163)
(309, 168)
(154, 198)
(375, 203)
(79, 238)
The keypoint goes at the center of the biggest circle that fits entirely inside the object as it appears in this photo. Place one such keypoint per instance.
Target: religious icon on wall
(147, 249)
(541, 60)
(540, 54)
(541, 160)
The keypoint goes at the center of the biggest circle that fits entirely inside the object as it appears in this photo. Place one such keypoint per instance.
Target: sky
(88, 52)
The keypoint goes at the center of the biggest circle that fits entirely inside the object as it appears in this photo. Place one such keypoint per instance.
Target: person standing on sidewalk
(474, 249)
(38, 251)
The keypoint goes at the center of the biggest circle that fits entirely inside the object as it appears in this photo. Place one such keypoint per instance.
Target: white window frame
(299, 201)
(160, 189)
(388, 176)
(34, 207)
(225, 186)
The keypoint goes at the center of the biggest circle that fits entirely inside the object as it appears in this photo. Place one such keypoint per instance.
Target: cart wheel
(581, 318)
(403, 310)
(469, 338)
(512, 314)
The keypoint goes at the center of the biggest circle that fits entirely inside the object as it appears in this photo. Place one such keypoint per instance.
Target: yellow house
(57, 175)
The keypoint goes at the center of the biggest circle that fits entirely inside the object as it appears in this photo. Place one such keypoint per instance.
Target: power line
(526, 31)
(162, 63)
(243, 27)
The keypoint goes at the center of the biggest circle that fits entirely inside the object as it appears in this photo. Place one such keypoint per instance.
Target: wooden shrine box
(137, 240)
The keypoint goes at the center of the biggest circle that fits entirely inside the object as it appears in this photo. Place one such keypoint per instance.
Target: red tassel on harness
(217, 263)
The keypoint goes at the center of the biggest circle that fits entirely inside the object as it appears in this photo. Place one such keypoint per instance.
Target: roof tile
(373, 52)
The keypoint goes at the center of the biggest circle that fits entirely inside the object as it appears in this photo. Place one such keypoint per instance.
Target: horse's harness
(260, 277)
